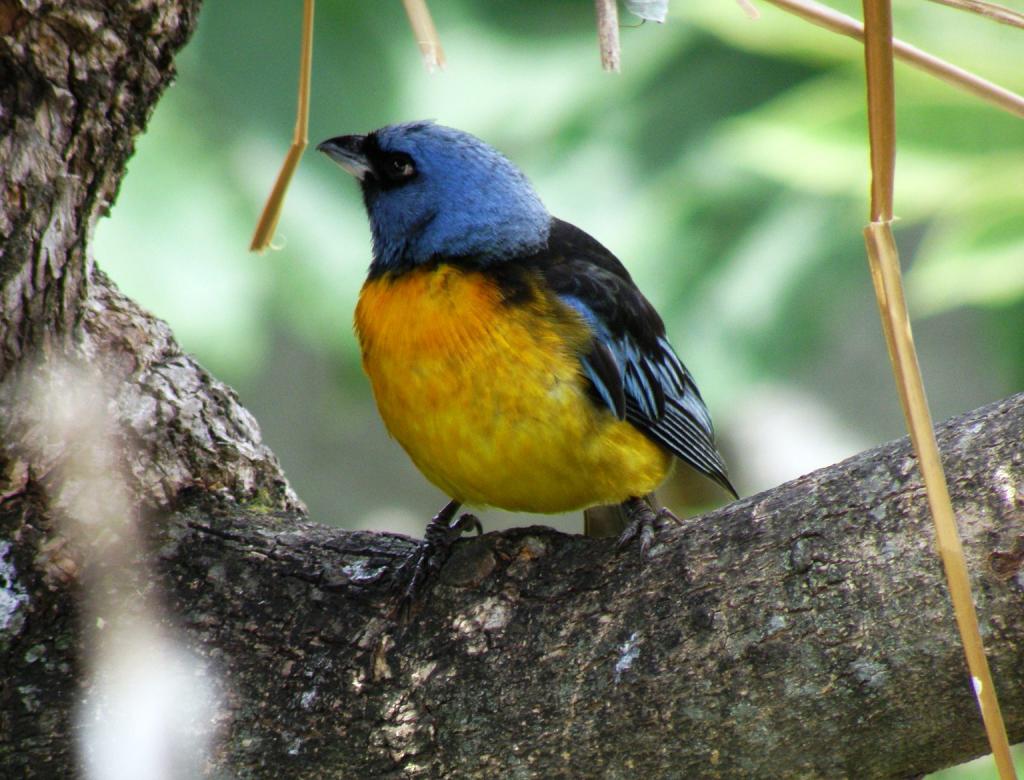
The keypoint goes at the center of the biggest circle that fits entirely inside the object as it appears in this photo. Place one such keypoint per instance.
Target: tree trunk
(802, 632)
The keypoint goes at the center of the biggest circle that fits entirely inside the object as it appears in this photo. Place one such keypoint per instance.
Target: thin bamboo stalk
(885, 266)
(608, 34)
(425, 33)
(830, 19)
(993, 11)
(878, 55)
(271, 213)
(887, 278)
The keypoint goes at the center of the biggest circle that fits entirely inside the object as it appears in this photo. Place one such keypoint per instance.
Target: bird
(510, 353)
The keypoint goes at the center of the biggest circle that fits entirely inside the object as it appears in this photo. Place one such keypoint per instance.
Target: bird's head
(433, 192)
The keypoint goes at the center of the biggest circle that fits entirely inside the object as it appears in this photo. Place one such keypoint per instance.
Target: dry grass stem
(608, 34)
(883, 312)
(749, 9)
(425, 33)
(993, 11)
(887, 278)
(885, 270)
(267, 223)
(830, 19)
(878, 58)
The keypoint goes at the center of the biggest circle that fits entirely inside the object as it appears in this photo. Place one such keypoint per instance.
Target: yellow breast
(488, 398)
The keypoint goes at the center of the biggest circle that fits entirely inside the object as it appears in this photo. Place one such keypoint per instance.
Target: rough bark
(77, 83)
(802, 632)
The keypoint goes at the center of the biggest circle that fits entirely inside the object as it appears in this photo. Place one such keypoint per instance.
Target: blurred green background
(727, 166)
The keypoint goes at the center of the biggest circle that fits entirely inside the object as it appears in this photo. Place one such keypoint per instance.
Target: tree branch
(801, 632)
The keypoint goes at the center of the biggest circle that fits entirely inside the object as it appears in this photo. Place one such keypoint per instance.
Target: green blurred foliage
(727, 166)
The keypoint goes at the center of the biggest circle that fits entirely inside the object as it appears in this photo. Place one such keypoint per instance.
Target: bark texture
(77, 83)
(801, 632)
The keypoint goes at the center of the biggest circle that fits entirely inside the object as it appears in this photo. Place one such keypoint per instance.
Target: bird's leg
(643, 523)
(442, 532)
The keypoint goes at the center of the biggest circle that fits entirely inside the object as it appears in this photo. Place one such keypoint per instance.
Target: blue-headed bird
(510, 354)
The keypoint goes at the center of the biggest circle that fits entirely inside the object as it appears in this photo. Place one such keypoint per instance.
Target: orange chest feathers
(488, 398)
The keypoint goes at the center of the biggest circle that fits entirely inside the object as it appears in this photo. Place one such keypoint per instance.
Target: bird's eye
(399, 166)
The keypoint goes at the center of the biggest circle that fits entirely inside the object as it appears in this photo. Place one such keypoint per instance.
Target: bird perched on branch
(510, 353)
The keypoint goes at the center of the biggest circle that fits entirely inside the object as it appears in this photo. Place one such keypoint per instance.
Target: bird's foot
(442, 532)
(644, 524)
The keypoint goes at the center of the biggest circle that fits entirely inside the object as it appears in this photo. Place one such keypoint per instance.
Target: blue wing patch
(602, 369)
(631, 367)
(655, 392)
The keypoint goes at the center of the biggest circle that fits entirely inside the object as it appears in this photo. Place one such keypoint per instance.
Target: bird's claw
(644, 524)
(442, 532)
(442, 535)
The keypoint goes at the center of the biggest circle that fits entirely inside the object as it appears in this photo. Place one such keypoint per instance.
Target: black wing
(632, 368)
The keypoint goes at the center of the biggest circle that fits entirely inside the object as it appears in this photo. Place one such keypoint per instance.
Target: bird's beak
(347, 151)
